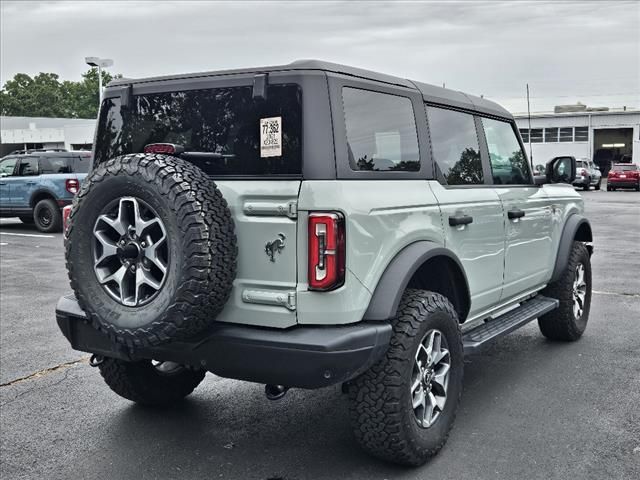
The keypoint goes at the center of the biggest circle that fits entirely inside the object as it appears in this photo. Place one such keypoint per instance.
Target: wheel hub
(131, 255)
(131, 251)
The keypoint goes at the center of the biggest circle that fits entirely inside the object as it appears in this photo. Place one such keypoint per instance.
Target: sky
(585, 51)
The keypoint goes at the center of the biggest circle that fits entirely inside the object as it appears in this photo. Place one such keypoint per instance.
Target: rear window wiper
(204, 156)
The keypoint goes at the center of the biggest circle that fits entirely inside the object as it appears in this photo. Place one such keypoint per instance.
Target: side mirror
(561, 170)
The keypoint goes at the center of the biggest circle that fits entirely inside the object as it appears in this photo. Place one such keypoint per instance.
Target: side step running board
(494, 328)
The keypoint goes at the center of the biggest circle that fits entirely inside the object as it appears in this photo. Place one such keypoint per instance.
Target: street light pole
(100, 63)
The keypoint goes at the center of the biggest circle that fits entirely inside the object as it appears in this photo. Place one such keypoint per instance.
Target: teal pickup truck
(35, 185)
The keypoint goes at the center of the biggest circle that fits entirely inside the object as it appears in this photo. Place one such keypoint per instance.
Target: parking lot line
(27, 235)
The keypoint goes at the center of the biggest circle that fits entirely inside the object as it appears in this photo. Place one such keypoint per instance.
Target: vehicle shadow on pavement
(229, 428)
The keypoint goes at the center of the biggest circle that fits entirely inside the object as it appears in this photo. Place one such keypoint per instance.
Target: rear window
(622, 168)
(225, 121)
(65, 164)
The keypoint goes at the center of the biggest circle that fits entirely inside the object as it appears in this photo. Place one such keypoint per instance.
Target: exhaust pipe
(275, 392)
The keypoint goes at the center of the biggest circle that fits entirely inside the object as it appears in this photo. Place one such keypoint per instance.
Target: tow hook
(96, 360)
(275, 392)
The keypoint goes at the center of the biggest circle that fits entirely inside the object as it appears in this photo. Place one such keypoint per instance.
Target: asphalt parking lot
(531, 409)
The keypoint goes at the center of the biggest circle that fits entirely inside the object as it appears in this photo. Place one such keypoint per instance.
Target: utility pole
(529, 118)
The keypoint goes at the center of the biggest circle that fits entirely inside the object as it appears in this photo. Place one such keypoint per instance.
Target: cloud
(566, 51)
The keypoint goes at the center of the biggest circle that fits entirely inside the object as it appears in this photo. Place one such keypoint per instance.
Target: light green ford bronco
(315, 224)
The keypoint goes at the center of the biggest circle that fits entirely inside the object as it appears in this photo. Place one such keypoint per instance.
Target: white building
(603, 136)
(18, 133)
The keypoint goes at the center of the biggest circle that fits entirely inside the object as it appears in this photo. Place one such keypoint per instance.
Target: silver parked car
(587, 174)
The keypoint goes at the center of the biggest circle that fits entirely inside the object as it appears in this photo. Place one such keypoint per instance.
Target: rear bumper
(632, 183)
(581, 181)
(302, 356)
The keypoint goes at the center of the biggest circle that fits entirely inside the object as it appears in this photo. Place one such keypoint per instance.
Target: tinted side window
(28, 167)
(454, 142)
(57, 164)
(381, 131)
(509, 165)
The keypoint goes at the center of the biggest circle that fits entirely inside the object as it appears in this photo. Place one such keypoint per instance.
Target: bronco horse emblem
(271, 248)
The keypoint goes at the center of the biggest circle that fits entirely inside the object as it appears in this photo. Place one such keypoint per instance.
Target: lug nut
(143, 244)
(122, 242)
(133, 268)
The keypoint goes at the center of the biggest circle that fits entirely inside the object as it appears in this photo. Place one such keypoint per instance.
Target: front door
(527, 211)
(7, 167)
(471, 211)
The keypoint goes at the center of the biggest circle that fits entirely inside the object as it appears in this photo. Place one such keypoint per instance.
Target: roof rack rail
(37, 150)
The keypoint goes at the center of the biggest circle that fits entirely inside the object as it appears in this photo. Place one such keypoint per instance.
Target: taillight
(72, 185)
(326, 251)
(66, 213)
(583, 172)
(164, 148)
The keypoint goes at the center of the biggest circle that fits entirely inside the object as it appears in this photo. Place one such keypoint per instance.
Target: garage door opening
(612, 145)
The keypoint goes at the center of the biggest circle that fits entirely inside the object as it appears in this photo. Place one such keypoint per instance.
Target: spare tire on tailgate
(150, 249)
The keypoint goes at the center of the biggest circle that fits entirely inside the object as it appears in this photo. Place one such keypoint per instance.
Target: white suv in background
(587, 174)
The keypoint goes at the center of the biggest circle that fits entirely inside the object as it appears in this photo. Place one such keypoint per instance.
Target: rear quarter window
(225, 121)
(381, 131)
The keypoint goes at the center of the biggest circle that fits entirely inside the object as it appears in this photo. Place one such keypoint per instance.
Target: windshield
(226, 121)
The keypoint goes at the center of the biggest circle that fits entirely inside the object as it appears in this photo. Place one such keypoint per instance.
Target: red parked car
(624, 175)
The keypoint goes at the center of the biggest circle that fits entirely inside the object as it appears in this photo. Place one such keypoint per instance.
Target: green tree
(45, 95)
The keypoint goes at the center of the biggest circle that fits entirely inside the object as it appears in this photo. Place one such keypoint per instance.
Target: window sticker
(271, 137)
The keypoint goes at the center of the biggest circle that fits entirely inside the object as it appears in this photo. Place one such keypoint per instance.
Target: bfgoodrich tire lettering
(200, 238)
(563, 323)
(381, 409)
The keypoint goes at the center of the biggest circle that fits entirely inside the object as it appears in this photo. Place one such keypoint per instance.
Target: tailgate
(265, 218)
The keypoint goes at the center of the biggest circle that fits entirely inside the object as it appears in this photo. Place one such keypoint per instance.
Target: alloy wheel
(130, 250)
(579, 291)
(430, 378)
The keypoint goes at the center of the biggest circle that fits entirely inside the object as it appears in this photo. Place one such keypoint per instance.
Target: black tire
(561, 323)
(597, 187)
(27, 219)
(201, 249)
(638, 187)
(47, 216)
(143, 383)
(587, 185)
(381, 410)
(609, 189)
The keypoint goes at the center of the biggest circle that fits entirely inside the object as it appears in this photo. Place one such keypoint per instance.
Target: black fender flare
(393, 282)
(577, 227)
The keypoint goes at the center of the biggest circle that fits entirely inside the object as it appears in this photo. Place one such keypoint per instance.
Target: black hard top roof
(431, 93)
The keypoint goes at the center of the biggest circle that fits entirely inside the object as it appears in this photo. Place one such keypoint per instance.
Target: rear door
(472, 213)
(527, 212)
(25, 181)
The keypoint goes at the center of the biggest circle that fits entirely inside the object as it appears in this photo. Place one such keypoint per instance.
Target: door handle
(454, 221)
(515, 213)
